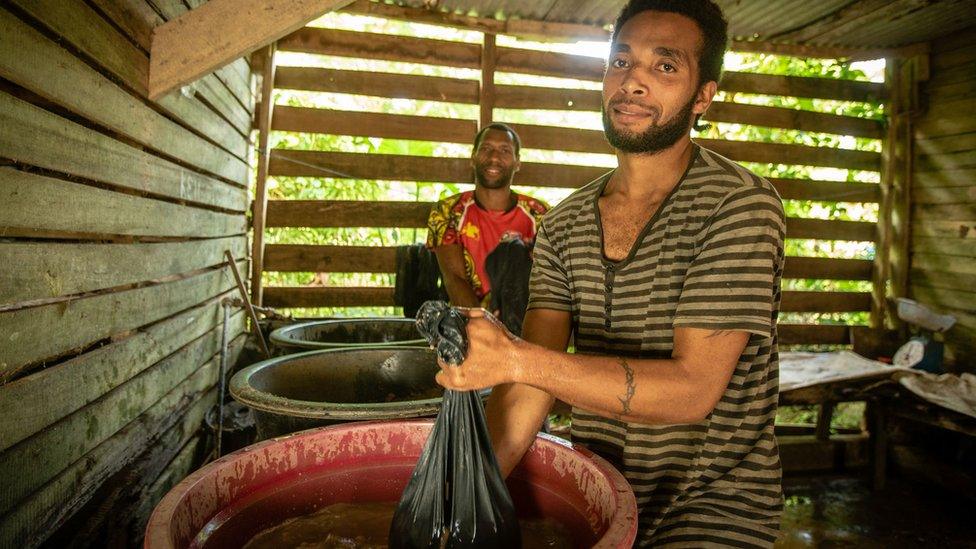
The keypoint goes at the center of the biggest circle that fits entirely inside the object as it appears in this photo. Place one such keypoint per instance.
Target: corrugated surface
(856, 23)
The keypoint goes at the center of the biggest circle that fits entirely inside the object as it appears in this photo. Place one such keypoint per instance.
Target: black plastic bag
(456, 496)
(509, 266)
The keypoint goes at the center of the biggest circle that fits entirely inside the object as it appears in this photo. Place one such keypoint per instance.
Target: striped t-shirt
(711, 257)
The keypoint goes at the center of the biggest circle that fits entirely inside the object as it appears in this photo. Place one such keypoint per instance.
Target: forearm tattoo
(631, 387)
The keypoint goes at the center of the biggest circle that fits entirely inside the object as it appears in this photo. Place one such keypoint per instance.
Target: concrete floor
(846, 512)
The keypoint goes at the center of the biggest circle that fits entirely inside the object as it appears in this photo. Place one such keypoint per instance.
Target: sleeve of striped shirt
(549, 283)
(731, 283)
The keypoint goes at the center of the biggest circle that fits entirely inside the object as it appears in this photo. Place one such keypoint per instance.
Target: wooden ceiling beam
(207, 38)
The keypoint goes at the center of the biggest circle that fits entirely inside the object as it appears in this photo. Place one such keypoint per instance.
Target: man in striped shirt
(666, 271)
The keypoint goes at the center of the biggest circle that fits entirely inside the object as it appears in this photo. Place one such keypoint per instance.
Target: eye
(668, 67)
(618, 63)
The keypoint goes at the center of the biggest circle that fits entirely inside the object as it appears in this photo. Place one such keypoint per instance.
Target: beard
(655, 138)
(504, 178)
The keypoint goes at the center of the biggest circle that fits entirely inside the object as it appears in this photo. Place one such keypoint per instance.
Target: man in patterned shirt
(463, 229)
(667, 273)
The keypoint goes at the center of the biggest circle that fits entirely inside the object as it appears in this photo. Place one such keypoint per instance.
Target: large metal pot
(346, 333)
(305, 390)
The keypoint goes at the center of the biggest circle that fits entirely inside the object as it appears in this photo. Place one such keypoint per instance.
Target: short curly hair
(500, 127)
(708, 16)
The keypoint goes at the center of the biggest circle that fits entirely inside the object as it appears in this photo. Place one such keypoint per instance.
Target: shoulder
(716, 182)
(453, 204)
(533, 206)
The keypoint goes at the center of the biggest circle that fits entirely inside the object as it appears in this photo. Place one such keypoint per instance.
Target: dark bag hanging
(456, 496)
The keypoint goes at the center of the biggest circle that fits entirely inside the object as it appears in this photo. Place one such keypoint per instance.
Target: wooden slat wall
(943, 229)
(115, 213)
(303, 163)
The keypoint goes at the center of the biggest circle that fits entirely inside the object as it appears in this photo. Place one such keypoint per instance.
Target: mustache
(633, 103)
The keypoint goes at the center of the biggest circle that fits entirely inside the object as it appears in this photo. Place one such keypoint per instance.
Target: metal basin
(347, 333)
(305, 390)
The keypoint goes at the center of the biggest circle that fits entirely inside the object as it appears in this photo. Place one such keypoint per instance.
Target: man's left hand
(491, 359)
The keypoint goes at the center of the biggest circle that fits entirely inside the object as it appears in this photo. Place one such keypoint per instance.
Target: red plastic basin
(229, 501)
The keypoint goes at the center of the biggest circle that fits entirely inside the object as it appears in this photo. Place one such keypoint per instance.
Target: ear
(704, 98)
(517, 165)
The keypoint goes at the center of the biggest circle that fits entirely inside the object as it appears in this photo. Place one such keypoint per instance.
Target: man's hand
(492, 357)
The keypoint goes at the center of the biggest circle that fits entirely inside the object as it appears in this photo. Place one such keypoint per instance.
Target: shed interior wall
(943, 214)
(115, 213)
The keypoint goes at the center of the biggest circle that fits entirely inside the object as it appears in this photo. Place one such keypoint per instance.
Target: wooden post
(892, 256)
(487, 95)
(264, 114)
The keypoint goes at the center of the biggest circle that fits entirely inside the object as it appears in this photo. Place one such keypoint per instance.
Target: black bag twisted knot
(456, 496)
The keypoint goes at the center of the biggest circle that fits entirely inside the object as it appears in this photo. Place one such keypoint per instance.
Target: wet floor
(846, 512)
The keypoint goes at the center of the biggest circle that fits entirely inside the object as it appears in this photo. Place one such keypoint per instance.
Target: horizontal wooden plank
(813, 334)
(549, 137)
(334, 259)
(404, 86)
(33, 205)
(62, 389)
(42, 333)
(943, 299)
(935, 262)
(539, 97)
(77, 24)
(944, 195)
(802, 86)
(936, 212)
(461, 55)
(417, 168)
(314, 213)
(382, 46)
(947, 280)
(825, 268)
(182, 408)
(826, 191)
(392, 126)
(820, 229)
(284, 297)
(39, 270)
(382, 259)
(964, 230)
(945, 145)
(52, 450)
(346, 213)
(965, 177)
(794, 119)
(946, 246)
(950, 161)
(39, 138)
(29, 59)
(825, 302)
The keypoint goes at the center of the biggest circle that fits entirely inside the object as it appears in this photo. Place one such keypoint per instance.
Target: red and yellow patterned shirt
(460, 220)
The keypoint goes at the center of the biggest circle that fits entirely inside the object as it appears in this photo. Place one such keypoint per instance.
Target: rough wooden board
(935, 263)
(43, 333)
(418, 168)
(951, 161)
(827, 268)
(945, 145)
(819, 229)
(37, 137)
(346, 213)
(136, 18)
(327, 297)
(29, 59)
(34, 461)
(406, 86)
(35, 517)
(382, 259)
(220, 31)
(34, 205)
(795, 334)
(85, 30)
(827, 191)
(825, 302)
(67, 387)
(945, 178)
(38, 270)
(455, 54)
(230, 84)
(945, 280)
(957, 229)
(393, 126)
(947, 246)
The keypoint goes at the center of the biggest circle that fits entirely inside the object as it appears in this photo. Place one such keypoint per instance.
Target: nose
(631, 84)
